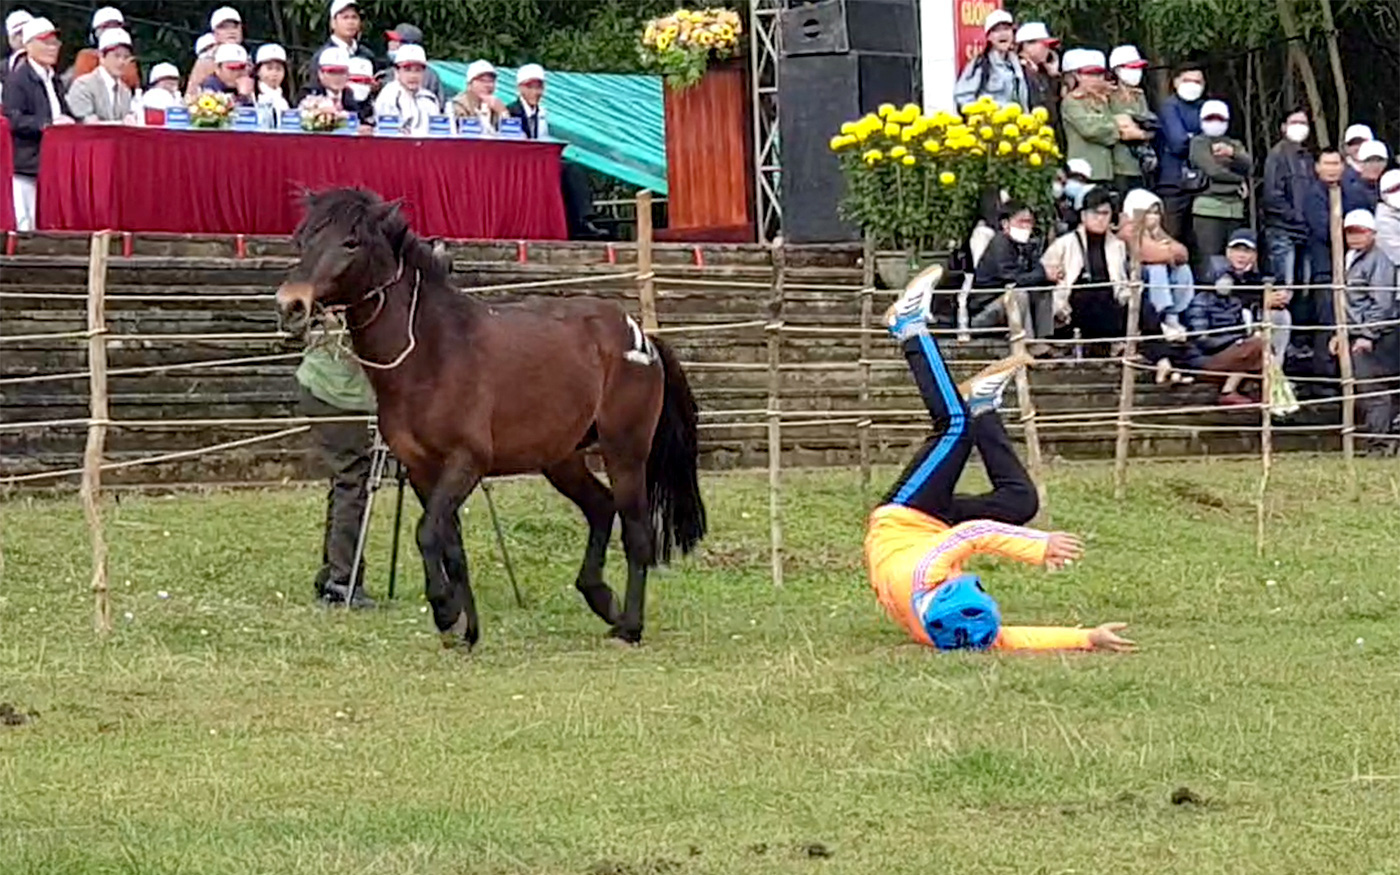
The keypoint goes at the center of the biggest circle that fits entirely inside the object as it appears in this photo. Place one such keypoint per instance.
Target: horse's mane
(360, 212)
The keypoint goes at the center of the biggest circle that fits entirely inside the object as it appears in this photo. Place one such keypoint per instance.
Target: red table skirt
(95, 177)
(7, 171)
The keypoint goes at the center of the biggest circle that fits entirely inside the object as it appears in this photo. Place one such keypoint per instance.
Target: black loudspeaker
(817, 92)
(832, 27)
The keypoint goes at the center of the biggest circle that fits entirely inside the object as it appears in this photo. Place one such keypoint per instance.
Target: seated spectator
(361, 81)
(1241, 264)
(1370, 284)
(333, 69)
(164, 90)
(88, 59)
(1089, 267)
(1040, 68)
(345, 25)
(1219, 210)
(408, 96)
(102, 96)
(1166, 271)
(1091, 127)
(1288, 175)
(1181, 121)
(996, 71)
(1013, 258)
(33, 101)
(408, 34)
(1359, 187)
(225, 28)
(529, 106)
(479, 99)
(271, 74)
(1231, 351)
(1134, 159)
(231, 74)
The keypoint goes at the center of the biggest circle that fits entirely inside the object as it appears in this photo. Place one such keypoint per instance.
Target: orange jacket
(87, 61)
(908, 552)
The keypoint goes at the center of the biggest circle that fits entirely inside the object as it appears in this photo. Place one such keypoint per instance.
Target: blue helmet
(958, 614)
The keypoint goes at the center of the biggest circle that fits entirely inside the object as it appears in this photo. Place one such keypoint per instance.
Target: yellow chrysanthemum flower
(848, 127)
(1041, 114)
(892, 129)
(1011, 132)
(932, 147)
(1025, 148)
(843, 141)
(1035, 160)
(874, 156)
(907, 161)
(1013, 110)
(986, 133)
(898, 152)
(947, 177)
(885, 110)
(1028, 123)
(1047, 133)
(1003, 148)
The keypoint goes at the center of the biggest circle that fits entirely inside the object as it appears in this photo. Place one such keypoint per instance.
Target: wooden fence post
(1343, 342)
(1266, 425)
(775, 388)
(1034, 459)
(646, 285)
(1129, 379)
(97, 425)
(867, 304)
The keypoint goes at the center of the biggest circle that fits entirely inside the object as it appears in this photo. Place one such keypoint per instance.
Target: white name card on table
(351, 126)
(388, 126)
(439, 126)
(512, 129)
(177, 117)
(290, 123)
(470, 127)
(245, 118)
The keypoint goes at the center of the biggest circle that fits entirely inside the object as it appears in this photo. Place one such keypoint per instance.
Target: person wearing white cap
(479, 98)
(225, 27)
(1166, 269)
(1223, 161)
(101, 96)
(529, 106)
(1370, 298)
(361, 81)
(333, 72)
(1040, 68)
(232, 73)
(14, 28)
(407, 97)
(1134, 159)
(1091, 128)
(1388, 216)
(996, 71)
(270, 71)
(1352, 140)
(33, 102)
(89, 58)
(345, 24)
(164, 90)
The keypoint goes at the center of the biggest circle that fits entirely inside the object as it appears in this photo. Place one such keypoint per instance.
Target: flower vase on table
(211, 111)
(709, 163)
(319, 114)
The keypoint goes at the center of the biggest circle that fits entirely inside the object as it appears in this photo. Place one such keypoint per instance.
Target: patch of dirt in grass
(12, 716)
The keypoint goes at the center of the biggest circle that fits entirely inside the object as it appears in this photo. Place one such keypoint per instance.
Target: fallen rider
(923, 533)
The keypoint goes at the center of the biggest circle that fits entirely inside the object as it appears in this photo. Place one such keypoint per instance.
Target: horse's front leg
(444, 558)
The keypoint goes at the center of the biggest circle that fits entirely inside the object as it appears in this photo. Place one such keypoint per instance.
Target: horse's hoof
(461, 634)
(455, 642)
(629, 637)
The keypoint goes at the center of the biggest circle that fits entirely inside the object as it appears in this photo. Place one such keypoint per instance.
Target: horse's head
(350, 243)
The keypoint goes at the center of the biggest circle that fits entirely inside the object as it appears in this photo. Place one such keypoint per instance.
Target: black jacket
(516, 109)
(27, 108)
(313, 70)
(1212, 311)
(1007, 262)
(1288, 175)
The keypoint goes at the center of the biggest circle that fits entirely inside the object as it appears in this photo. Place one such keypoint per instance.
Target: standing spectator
(345, 35)
(1181, 121)
(479, 99)
(231, 74)
(1013, 259)
(102, 96)
(1089, 267)
(408, 96)
(14, 32)
(333, 70)
(32, 103)
(1219, 209)
(270, 70)
(225, 28)
(1091, 130)
(1388, 216)
(409, 34)
(996, 72)
(1355, 137)
(1040, 69)
(1360, 186)
(1288, 176)
(1370, 285)
(164, 90)
(1134, 160)
(89, 59)
(1166, 269)
(1330, 168)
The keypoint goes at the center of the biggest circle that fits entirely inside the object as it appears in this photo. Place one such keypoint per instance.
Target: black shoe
(334, 594)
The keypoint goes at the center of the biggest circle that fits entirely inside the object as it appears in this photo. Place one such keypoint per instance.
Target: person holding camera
(1134, 159)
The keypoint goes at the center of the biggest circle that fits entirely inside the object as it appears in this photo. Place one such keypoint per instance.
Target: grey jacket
(1388, 231)
(90, 100)
(1370, 292)
(1001, 78)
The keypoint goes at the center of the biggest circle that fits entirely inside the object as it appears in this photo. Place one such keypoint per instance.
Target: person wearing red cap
(406, 97)
(345, 22)
(1091, 129)
(1133, 157)
(32, 103)
(405, 34)
(89, 59)
(333, 72)
(1042, 68)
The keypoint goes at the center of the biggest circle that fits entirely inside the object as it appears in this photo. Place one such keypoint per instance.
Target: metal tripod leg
(379, 460)
(501, 543)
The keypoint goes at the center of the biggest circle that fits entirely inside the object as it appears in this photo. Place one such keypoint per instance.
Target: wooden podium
(709, 157)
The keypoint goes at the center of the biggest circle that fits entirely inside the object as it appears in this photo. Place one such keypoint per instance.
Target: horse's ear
(390, 218)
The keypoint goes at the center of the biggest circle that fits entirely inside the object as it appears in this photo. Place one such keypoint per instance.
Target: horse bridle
(380, 292)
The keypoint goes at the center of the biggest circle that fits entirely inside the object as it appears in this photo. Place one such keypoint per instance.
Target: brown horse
(469, 389)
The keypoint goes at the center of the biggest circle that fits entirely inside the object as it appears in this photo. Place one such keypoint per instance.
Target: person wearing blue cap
(918, 540)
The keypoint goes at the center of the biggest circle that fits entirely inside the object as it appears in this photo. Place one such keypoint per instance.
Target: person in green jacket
(1092, 127)
(1129, 106)
(334, 385)
(1219, 210)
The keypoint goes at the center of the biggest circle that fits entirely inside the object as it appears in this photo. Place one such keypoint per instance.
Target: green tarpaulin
(613, 123)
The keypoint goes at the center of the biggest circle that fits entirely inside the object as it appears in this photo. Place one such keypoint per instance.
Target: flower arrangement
(916, 181)
(320, 114)
(211, 109)
(680, 44)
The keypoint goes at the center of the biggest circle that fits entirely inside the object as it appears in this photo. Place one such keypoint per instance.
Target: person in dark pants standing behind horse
(334, 385)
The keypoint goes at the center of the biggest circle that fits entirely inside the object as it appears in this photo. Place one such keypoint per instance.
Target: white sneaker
(1173, 331)
(984, 390)
(909, 315)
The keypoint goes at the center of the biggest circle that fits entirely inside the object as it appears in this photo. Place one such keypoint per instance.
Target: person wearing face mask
(996, 72)
(1180, 116)
(1089, 267)
(1388, 216)
(1040, 67)
(1218, 210)
(361, 87)
(333, 68)
(1370, 299)
(1092, 129)
(1360, 188)
(1012, 258)
(1133, 157)
(1220, 320)
(1288, 175)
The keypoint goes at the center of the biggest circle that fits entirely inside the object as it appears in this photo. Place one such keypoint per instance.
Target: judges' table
(94, 177)
(7, 197)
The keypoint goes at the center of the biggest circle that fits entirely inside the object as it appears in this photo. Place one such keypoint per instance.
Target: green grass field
(231, 726)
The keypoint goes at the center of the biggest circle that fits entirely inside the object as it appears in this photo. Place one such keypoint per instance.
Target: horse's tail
(673, 483)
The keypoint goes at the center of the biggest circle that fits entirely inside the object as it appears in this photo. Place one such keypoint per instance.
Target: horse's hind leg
(444, 559)
(573, 479)
(629, 483)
